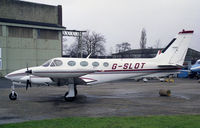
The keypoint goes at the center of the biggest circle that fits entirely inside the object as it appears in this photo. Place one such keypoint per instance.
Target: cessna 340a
(84, 71)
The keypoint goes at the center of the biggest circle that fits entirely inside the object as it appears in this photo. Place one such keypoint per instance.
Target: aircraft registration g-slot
(87, 71)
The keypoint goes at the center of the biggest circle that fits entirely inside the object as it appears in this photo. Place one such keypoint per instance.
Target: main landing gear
(72, 93)
(13, 94)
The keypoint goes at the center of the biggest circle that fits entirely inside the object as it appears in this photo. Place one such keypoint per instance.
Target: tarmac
(120, 98)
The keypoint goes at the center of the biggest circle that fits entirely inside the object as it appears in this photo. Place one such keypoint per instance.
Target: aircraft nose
(193, 68)
(7, 76)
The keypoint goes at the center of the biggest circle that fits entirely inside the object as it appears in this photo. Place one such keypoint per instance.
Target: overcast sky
(122, 20)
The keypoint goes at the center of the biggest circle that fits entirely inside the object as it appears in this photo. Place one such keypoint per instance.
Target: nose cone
(14, 76)
(8, 76)
(195, 68)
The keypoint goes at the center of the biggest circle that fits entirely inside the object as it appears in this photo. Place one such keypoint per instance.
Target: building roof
(30, 23)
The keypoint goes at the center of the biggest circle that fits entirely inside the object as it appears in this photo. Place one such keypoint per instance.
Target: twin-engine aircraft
(85, 71)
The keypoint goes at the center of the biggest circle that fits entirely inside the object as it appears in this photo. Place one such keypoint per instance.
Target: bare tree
(143, 42)
(118, 48)
(91, 43)
(125, 46)
(73, 50)
(143, 39)
(65, 49)
(158, 44)
(110, 51)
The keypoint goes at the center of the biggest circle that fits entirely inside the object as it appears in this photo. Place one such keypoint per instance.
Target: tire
(70, 99)
(13, 96)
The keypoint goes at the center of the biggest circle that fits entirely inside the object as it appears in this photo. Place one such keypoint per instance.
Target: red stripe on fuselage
(106, 71)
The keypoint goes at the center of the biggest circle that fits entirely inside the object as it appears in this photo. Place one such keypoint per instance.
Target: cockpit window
(198, 62)
(58, 62)
(52, 64)
(46, 64)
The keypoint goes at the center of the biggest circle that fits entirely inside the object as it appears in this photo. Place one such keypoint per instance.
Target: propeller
(28, 81)
(28, 71)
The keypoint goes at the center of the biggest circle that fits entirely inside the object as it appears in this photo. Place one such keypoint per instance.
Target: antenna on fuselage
(89, 55)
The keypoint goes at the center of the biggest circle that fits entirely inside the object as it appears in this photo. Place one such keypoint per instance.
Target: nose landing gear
(13, 94)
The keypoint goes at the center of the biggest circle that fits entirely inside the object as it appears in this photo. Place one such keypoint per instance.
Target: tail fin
(174, 53)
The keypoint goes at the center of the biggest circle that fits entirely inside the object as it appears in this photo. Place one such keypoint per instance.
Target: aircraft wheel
(13, 96)
(70, 98)
(76, 92)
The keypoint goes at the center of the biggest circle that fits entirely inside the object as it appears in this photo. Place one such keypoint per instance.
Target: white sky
(122, 20)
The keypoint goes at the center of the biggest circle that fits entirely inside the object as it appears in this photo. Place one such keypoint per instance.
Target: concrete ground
(121, 98)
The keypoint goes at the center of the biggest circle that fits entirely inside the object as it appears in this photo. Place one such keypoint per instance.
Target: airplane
(195, 69)
(87, 71)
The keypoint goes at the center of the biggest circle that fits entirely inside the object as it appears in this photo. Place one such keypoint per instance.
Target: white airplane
(85, 71)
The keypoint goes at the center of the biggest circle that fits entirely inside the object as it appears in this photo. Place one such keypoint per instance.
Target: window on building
(0, 60)
(47, 34)
(0, 30)
(20, 32)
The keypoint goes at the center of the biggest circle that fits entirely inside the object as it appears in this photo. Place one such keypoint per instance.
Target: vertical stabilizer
(174, 53)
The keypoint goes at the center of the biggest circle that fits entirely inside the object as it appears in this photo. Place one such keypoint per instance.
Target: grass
(182, 121)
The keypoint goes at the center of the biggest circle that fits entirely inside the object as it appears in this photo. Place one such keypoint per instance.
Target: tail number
(129, 66)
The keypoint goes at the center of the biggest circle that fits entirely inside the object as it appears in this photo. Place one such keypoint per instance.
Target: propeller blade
(30, 81)
(30, 84)
(27, 82)
(27, 70)
(27, 66)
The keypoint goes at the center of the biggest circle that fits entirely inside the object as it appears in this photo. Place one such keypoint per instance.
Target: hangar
(30, 34)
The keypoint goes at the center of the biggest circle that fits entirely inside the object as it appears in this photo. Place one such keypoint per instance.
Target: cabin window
(95, 64)
(105, 64)
(71, 63)
(46, 64)
(58, 62)
(84, 63)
